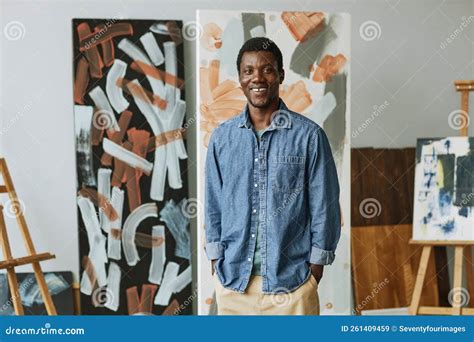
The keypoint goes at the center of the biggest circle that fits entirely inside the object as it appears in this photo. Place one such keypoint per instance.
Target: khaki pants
(302, 301)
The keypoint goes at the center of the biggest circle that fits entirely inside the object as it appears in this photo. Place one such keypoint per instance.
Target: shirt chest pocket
(288, 173)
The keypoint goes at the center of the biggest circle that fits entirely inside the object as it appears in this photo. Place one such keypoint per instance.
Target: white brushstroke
(171, 68)
(114, 244)
(159, 28)
(145, 106)
(175, 149)
(130, 227)
(127, 156)
(166, 289)
(82, 125)
(150, 112)
(152, 49)
(137, 54)
(102, 103)
(96, 240)
(158, 256)
(257, 31)
(182, 280)
(113, 287)
(114, 92)
(103, 188)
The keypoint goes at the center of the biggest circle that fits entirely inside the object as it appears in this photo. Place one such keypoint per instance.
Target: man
(272, 216)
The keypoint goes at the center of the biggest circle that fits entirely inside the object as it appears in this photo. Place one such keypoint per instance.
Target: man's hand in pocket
(317, 271)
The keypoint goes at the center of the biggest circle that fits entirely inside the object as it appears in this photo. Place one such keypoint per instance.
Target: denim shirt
(289, 181)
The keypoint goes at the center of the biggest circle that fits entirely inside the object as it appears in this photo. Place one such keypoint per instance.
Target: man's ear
(282, 76)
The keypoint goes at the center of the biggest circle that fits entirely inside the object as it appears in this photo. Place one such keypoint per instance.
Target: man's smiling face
(260, 78)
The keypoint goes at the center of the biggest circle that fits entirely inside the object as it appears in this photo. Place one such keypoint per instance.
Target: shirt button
(255, 210)
(255, 184)
(253, 235)
(256, 159)
(249, 259)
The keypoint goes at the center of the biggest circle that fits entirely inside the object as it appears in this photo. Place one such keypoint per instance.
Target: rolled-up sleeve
(323, 200)
(213, 188)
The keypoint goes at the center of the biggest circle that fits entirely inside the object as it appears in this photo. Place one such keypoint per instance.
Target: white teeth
(258, 90)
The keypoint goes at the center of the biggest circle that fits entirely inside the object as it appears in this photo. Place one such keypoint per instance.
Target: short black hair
(260, 44)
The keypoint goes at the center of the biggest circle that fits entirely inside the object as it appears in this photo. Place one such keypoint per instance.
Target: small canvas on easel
(444, 189)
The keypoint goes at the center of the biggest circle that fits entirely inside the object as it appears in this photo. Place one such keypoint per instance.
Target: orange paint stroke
(116, 233)
(95, 61)
(166, 138)
(90, 271)
(104, 34)
(219, 102)
(142, 304)
(328, 67)
(211, 37)
(99, 201)
(146, 298)
(81, 80)
(224, 88)
(214, 73)
(152, 71)
(139, 140)
(171, 309)
(128, 86)
(296, 96)
(303, 25)
(108, 50)
(148, 241)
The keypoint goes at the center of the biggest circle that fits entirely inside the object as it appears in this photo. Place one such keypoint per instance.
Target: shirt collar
(281, 118)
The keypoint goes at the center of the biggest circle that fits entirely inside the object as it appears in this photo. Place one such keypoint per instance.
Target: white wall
(404, 66)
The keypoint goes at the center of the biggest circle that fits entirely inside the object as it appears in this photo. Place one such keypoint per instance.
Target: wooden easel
(10, 263)
(462, 249)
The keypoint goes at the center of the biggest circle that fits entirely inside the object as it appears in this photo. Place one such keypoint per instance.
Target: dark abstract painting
(133, 210)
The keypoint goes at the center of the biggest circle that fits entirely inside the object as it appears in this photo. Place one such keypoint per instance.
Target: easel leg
(457, 282)
(420, 279)
(11, 275)
(28, 241)
(48, 301)
(469, 273)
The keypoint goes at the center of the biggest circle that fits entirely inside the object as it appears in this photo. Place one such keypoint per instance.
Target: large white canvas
(326, 101)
